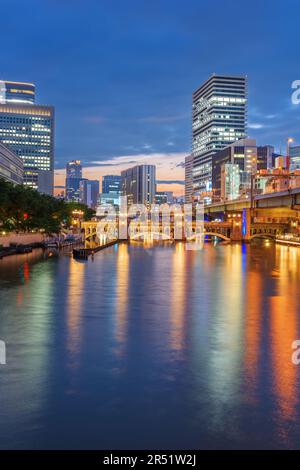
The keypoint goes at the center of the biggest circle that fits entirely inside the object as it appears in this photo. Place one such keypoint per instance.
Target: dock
(84, 253)
(60, 242)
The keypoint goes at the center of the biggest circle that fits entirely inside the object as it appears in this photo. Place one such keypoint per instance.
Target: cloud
(169, 170)
(169, 158)
(104, 164)
(255, 125)
(170, 182)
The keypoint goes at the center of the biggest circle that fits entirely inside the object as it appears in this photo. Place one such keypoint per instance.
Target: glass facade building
(89, 192)
(28, 130)
(294, 154)
(17, 92)
(161, 198)
(74, 169)
(218, 119)
(109, 199)
(11, 166)
(230, 188)
(248, 156)
(111, 184)
(188, 179)
(138, 184)
(73, 179)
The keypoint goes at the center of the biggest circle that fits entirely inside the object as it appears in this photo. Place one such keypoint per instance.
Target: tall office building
(294, 154)
(74, 169)
(219, 118)
(230, 181)
(164, 197)
(89, 192)
(17, 92)
(265, 157)
(248, 157)
(28, 130)
(169, 195)
(111, 184)
(73, 179)
(11, 166)
(188, 179)
(138, 184)
(109, 199)
(111, 190)
(161, 197)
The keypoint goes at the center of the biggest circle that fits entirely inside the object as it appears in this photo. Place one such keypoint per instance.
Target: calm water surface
(151, 348)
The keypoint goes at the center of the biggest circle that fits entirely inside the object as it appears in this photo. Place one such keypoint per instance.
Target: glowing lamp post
(77, 217)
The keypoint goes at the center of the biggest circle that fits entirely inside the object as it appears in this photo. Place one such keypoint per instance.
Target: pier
(84, 253)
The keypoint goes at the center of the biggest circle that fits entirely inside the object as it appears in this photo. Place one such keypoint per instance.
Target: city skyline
(150, 109)
(149, 231)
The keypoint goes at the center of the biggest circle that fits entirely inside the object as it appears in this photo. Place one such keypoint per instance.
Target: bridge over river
(265, 216)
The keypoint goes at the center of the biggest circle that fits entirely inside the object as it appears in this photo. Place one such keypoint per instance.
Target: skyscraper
(11, 166)
(17, 92)
(89, 192)
(265, 157)
(295, 157)
(161, 197)
(111, 190)
(248, 156)
(219, 118)
(74, 169)
(230, 181)
(73, 179)
(28, 129)
(111, 184)
(138, 184)
(188, 180)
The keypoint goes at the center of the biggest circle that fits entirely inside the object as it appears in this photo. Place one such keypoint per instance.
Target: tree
(24, 209)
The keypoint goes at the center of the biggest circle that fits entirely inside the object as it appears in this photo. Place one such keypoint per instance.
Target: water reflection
(74, 299)
(26, 327)
(200, 341)
(284, 307)
(122, 289)
(253, 324)
(179, 294)
(21, 264)
(227, 335)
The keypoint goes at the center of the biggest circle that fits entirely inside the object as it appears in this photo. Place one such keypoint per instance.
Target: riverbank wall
(21, 239)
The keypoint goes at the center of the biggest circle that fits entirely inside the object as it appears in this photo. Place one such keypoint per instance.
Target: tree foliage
(24, 209)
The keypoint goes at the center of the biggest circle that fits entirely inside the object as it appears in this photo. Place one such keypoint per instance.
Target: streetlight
(289, 141)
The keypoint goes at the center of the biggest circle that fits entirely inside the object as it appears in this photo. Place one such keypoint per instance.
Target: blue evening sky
(120, 73)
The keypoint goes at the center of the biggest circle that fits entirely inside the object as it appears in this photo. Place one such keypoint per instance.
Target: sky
(120, 73)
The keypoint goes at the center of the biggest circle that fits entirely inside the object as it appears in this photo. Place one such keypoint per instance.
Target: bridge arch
(156, 236)
(218, 235)
(267, 236)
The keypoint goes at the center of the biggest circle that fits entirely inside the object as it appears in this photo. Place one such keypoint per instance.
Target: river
(151, 347)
